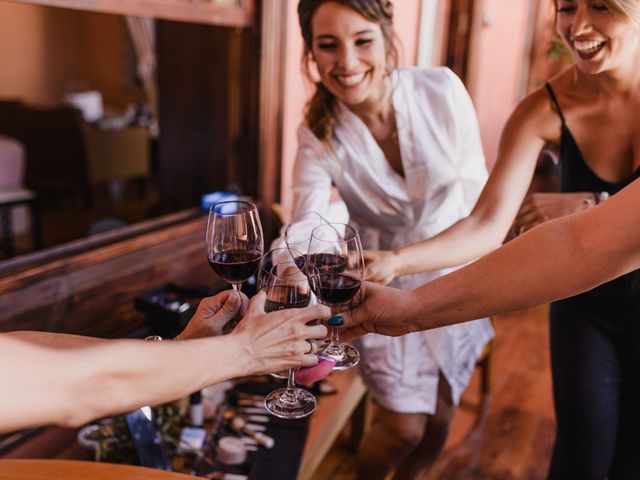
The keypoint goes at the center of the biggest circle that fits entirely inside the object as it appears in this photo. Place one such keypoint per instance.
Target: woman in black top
(592, 110)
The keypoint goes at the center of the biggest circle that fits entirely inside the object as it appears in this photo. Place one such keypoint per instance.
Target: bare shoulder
(535, 116)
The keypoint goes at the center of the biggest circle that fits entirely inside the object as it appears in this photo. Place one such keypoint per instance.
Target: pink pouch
(322, 369)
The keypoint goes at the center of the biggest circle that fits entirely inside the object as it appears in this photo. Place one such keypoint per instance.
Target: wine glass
(234, 240)
(287, 287)
(335, 251)
(298, 232)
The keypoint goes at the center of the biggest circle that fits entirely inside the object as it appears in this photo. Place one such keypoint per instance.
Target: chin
(353, 97)
(590, 69)
(353, 100)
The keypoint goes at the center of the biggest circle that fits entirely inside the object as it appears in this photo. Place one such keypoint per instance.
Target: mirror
(163, 114)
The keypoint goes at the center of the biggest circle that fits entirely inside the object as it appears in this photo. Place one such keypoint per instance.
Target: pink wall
(496, 64)
(46, 51)
(34, 46)
(407, 15)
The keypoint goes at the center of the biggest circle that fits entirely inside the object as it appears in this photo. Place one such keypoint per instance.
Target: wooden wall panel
(192, 109)
(92, 293)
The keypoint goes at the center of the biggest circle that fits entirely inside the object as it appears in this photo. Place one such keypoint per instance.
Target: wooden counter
(331, 416)
(78, 470)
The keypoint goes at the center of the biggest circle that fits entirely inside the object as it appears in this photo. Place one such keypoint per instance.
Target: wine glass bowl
(276, 256)
(234, 240)
(298, 232)
(286, 287)
(335, 251)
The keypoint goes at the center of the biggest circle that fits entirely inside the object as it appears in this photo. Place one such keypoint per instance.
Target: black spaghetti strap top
(614, 306)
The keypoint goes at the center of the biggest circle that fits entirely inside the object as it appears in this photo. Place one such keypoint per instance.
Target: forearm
(467, 239)
(163, 371)
(47, 385)
(554, 260)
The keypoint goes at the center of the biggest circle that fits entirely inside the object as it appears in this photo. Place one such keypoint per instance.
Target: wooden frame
(273, 18)
(459, 36)
(240, 15)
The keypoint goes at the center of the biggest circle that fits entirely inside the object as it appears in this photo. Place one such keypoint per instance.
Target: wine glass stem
(335, 336)
(236, 286)
(291, 381)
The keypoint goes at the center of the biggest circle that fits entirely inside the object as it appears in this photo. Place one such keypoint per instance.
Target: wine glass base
(283, 375)
(293, 403)
(345, 355)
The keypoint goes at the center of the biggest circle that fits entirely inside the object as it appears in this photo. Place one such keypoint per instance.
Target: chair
(55, 147)
(13, 194)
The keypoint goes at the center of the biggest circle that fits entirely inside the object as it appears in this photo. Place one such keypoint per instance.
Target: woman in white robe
(403, 149)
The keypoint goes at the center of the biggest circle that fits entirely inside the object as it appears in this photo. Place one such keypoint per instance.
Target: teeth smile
(351, 80)
(587, 46)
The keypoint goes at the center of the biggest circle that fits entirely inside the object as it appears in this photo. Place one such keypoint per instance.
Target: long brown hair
(319, 111)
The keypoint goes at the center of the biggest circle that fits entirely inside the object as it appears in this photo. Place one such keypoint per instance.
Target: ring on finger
(311, 347)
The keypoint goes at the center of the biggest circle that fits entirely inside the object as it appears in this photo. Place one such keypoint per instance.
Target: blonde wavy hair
(627, 9)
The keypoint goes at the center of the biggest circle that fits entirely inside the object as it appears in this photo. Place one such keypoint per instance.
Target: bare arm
(212, 315)
(69, 386)
(557, 259)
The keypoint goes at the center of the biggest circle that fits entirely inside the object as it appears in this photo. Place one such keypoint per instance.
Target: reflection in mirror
(106, 121)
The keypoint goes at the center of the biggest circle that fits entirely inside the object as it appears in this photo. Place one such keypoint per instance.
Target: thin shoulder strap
(555, 101)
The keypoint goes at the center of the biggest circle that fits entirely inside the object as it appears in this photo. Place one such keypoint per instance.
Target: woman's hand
(214, 313)
(539, 207)
(379, 309)
(278, 340)
(380, 266)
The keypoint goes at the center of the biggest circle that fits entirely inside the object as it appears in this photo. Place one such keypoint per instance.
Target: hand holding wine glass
(234, 240)
(277, 340)
(335, 251)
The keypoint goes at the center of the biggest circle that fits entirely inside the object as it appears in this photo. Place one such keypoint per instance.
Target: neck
(377, 109)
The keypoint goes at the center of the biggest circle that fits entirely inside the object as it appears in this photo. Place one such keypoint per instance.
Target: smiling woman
(402, 147)
(591, 28)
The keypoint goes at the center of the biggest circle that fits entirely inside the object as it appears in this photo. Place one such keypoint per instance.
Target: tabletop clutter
(224, 432)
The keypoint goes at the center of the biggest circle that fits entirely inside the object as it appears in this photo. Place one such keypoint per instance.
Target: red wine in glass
(235, 267)
(337, 289)
(234, 240)
(286, 296)
(328, 262)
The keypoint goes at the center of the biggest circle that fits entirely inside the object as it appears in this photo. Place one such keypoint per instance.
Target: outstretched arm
(555, 260)
(84, 379)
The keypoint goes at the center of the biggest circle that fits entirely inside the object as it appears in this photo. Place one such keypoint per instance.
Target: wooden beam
(208, 12)
(273, 17)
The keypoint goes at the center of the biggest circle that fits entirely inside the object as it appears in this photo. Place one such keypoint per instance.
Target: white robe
(444, 172)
